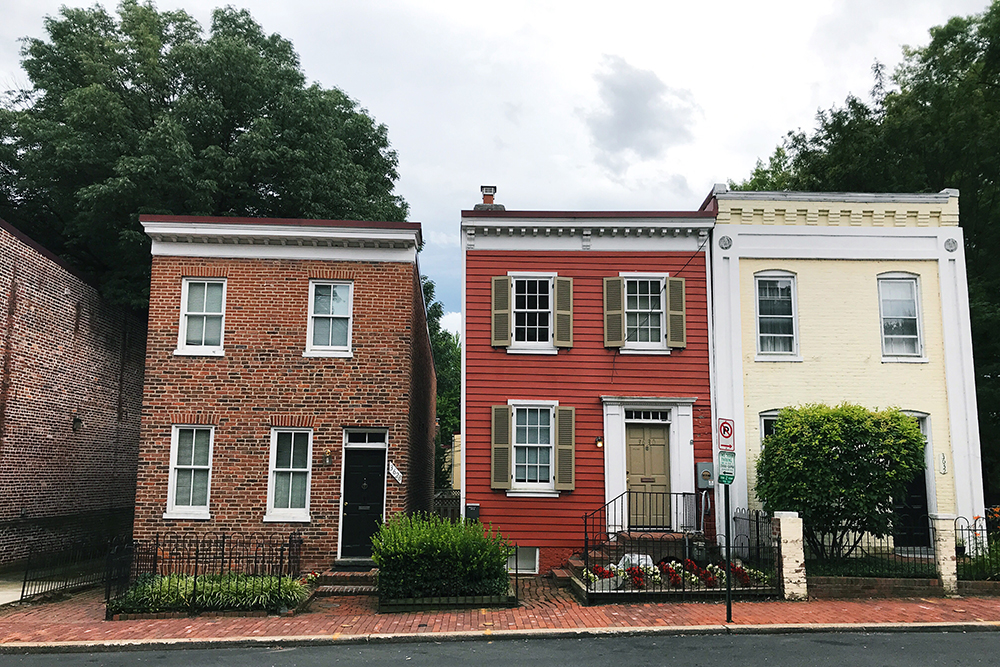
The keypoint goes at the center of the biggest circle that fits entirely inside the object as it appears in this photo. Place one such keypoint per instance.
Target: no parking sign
(727, 439)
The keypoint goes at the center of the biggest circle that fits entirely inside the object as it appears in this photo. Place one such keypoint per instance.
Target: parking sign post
(727, 473)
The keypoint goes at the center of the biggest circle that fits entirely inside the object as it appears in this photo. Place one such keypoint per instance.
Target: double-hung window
(645, 313)
(900, 314)
(532, 448)
(777, 328)
(190, 472)
(291, 467)
(532, 311)
(203, 307)
(330, 314)
(533, 445)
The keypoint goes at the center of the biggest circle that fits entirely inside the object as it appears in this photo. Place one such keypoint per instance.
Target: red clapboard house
(586, 374)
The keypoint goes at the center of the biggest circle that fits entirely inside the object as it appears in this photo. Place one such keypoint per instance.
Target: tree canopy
(141, 113)
(840, 468)
(448, 367)
(934, 124)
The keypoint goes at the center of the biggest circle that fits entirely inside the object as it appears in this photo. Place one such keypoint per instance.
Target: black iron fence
(190, 573)
(977, 547)
(902, 554)
(641, 511)
(78, 564)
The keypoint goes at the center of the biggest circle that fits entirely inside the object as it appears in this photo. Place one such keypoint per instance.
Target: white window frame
(775, 355)
(536, 347)
(329, 350)
(175, 511)
(532, 488)
(288, 515)
(899, 276)
(765, 416)
(516, 556)
(200, 350)
(645, 347)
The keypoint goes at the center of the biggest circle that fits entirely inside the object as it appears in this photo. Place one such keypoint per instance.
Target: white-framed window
(531, 311)
(533, 454)
(203, 308)
(523, 560)
(777, 326)
(899, 311)
(366, 438)
(645, 311)
(331, 305)
(768, 419)
(190, 472)
(290, 475)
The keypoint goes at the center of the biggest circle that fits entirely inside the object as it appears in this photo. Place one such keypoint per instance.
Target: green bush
(426, 556)
(229, 592)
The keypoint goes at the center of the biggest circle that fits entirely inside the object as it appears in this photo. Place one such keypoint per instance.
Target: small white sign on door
(394, 471)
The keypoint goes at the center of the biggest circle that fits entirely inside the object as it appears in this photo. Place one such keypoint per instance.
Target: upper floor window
(776, 321)
(190, 472)
(532, 312)
(288, 484)
(900, 314)
(203, 307)
(330, 311)
(645, 313)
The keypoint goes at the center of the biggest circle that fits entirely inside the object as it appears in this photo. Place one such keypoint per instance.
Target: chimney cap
(488, 189)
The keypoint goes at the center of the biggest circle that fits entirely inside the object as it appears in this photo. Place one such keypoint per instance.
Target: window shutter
(676, 313)
(564, 312)
(614, 312)
(565, 448)
(500, 304)
(500, 448)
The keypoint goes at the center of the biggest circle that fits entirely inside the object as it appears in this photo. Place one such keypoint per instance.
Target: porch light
(600, 441)
(327, 458)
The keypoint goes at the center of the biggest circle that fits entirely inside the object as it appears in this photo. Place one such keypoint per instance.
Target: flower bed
(632, 573)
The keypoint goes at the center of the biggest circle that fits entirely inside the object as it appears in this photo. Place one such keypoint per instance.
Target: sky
(569, 105)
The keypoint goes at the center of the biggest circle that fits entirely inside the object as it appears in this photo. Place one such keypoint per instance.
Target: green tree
(141, 113)
(839, 468)
(934, 125)
(448, 367)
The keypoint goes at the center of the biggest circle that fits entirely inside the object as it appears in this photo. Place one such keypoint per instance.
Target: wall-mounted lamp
(77, 424)
(327, 457)
(600, 441)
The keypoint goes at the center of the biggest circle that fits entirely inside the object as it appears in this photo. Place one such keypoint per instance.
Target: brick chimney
(488, 205)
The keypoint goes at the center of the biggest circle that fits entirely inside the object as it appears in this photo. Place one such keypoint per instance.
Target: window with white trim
(532, 448)
(777, 328)
(523, 560)
(190, 472)
(290, 472)
(330, 315)
(900, 314)
(768, 419)
(645, 313)
(203, 307)
(532, 311)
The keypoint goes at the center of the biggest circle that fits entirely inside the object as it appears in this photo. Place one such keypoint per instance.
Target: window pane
(196, 298)
(543, 455)
(341, 293)
(520, 455)
(521, 435)
(776, 325)
(183, 491)
(900, 327)
(321, 331)
(776, 344)
(283, 458)
(321, 299)
(195, 330)
(300, 451)
(201, 439)
(213, 330)
(213, 298)
(199, 488)
(282, 482)
(338, 332)
(185, 440)
(298, 491)
(521, 417)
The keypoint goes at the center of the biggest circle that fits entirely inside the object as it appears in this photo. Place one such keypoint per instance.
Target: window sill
(788, 358)
(196, 516)
(639, 350)
(528, 350)
(199, 352)
(532, 494)
(905, 360)
(342, 354)
(286, 518)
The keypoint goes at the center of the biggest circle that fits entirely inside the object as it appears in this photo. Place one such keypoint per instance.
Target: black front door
(912, 526)
(364, 498)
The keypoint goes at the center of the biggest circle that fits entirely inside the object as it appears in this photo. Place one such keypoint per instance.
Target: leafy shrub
(229, 592)
(426, 556)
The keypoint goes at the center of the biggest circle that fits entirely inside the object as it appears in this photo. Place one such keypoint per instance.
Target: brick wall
(264, 379)
(64, 354)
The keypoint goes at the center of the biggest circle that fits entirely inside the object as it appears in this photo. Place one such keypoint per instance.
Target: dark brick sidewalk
(80, 618)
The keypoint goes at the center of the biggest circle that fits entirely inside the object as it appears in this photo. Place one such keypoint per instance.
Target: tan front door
(648, 473)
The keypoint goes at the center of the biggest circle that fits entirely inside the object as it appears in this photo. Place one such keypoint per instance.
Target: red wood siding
(576, 377)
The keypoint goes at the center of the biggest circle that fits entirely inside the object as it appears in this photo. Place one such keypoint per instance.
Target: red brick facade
(70, 393)
(263, 380)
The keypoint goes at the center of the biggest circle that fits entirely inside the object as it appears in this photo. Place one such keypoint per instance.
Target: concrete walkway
(77, 623)
(10, 587)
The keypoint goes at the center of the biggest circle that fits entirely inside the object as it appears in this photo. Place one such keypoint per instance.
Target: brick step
(330, 591)
(562, 577)
(346, 578)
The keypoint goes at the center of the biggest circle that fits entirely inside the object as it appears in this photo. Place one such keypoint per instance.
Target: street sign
(727, 467)
(727, 440)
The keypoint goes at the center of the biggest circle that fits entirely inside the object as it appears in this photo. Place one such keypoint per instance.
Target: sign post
(727, 473)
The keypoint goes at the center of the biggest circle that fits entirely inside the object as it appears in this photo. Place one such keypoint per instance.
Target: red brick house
(585, 372)
(289, 381)
(70, 394)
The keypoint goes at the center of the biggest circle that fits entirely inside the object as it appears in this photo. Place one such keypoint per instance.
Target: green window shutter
(565, 448)
(500, 448)
(676, 313)
(614, 312)
(500, 304)
(564, 312)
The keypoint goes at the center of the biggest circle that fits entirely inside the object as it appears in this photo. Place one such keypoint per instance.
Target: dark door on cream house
(647, 468)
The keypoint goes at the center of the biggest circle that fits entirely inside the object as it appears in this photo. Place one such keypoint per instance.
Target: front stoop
(346, 582)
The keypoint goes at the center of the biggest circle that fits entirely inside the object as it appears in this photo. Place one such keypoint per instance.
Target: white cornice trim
(648, 400)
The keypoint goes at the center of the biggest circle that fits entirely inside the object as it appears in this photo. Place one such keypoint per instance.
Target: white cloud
(435, 237)
(452, 322)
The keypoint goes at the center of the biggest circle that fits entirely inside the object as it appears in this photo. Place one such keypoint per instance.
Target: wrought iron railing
(905, 553)
(79, 564)
(977, 547)
(642, 511)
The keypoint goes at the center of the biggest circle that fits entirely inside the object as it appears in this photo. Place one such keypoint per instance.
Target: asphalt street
(905, 649)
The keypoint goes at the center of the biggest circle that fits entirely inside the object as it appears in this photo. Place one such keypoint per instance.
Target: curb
(487, 635)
